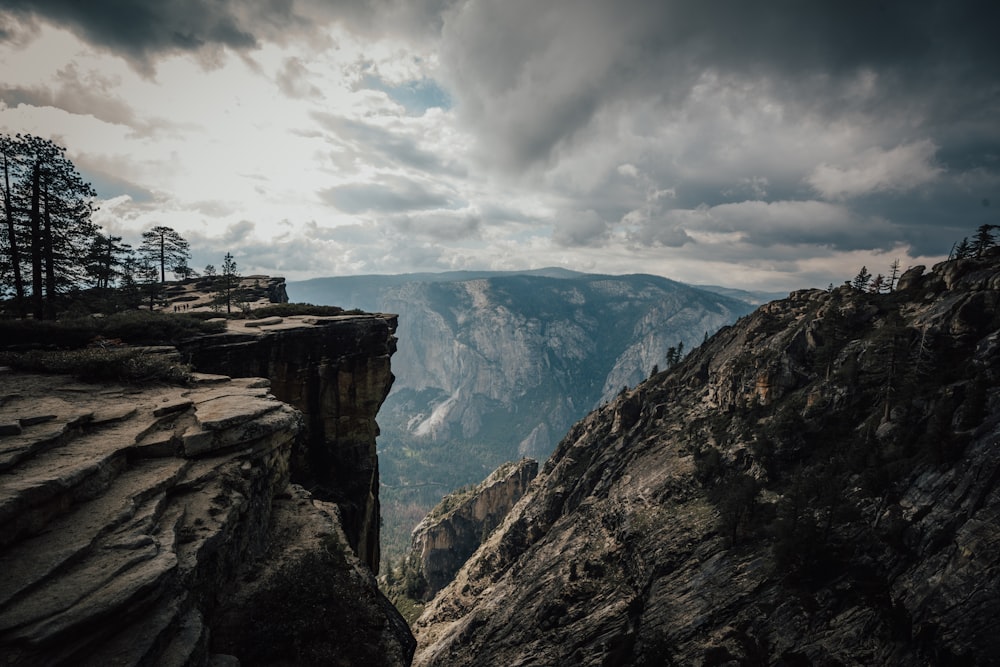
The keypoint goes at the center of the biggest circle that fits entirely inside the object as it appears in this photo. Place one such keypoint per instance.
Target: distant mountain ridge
(493, 366)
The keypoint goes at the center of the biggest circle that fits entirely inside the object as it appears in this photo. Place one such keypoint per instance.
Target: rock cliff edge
(157, 525)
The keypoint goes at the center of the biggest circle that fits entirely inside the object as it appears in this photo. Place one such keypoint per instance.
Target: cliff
(156, 525)
(122, 512)
(453, 530)
(336, 371)
(818, 484)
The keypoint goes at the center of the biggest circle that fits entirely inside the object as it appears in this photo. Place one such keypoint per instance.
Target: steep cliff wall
(336, 371)
(819, 484)
(453, 530)
(156, 525)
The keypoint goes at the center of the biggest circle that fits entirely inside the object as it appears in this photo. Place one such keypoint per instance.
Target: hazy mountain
(755, 297)
(494, 366)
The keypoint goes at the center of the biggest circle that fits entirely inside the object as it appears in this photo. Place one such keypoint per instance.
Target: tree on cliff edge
(165, 248)
(227, 286)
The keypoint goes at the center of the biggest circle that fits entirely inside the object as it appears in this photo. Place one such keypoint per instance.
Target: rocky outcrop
(157, 526)
(124, 513)
(818, 484)
(200, 294)
(309, 600)
(336, 371)
(453, 530)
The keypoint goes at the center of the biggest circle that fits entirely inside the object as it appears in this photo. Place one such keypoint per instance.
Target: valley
(492, 367)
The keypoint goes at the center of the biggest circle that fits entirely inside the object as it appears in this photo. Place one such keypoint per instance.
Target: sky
(771, 145)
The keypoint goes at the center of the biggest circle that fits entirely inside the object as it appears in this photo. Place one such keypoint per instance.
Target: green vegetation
(132, 327)
(101, 349)
(309, 614)
(128, 365)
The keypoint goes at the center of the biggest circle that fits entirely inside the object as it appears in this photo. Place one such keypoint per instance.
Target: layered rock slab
(114, 549)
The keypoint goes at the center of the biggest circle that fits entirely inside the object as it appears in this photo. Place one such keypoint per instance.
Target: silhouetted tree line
(982, 241)
(51, 249)
(47, 226)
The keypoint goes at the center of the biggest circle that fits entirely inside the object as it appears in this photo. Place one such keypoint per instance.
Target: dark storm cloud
(143, 29)
(531, 76)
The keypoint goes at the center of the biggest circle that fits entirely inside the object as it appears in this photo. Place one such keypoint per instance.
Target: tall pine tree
(47, 209)
(165, 248)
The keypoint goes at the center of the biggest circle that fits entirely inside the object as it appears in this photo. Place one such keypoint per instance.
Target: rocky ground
(122, 508)
(198, 294)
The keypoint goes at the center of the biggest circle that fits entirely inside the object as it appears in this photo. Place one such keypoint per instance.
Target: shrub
(127, 365)
(308, 614)
(139, 327)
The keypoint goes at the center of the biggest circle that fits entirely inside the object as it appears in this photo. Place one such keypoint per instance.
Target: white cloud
(398, 136)
(898, 169)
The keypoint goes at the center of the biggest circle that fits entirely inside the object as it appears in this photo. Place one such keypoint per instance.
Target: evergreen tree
(10, 154)
(150, 285)
(165, 248)
(130, 282)
(963, 249)
(183, 272)
(860, 282)
(106, 259)
(982, 241)
(228, 283)
(47, 228)
(893, 275)
(674, 354)
(878, 285)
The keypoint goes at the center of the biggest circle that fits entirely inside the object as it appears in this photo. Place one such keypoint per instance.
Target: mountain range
(494, 366)
(816, 485)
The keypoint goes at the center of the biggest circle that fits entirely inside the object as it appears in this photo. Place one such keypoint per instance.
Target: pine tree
(9, 154)
(878, 285)
(982, 241)
(893, 275)
(106, 259)
(47, 228)
(963, 249)
(165, 248)
(228, 283)
(860, 282)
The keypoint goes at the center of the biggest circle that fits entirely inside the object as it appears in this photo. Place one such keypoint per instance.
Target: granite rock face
(336, 371)
(818, 484)
(123, 512)
(157, 525)
(445, 539)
